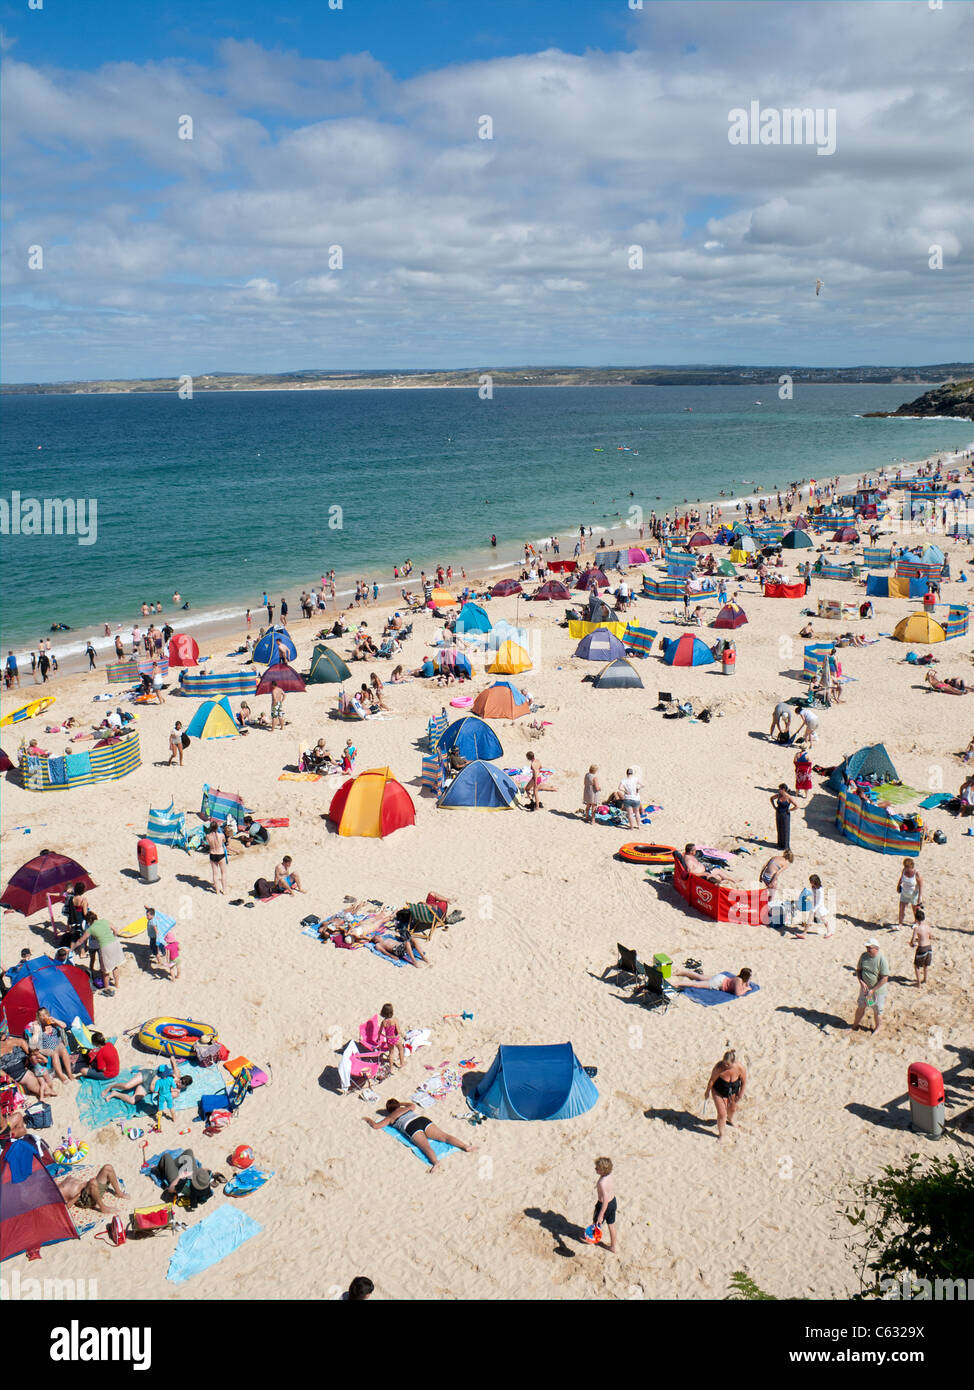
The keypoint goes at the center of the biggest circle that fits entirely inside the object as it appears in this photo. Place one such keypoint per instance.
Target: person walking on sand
(176, 744)
(217, 845)
(606, 1208)
(726, 1085)
(277, 706)
(419, 1130)
(531, 790)
(923, 941)
(591, 794)
(872, 972)
(629, 789)
(910, 889)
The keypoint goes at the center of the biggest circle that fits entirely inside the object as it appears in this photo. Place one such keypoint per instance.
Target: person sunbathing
(948, 685)
(91, 1192)
(736, 985)
(419, 1130)
(696, 865)
(405, 949)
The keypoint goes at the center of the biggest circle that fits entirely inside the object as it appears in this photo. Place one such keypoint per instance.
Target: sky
(337, 205)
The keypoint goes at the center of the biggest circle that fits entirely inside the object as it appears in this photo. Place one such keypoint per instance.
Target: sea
(224, 496)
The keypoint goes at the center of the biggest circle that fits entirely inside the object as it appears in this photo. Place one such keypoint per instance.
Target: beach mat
(209, 1242)
(439, 1148)
(937, 799)
(300, 777)
(896, 796)
(709, 997)
(94, 1111)
(150, 1164)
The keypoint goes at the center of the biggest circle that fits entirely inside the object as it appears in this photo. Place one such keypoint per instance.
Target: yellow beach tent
(919, 627)
(373, 804)
(213, 719)
(509, 660)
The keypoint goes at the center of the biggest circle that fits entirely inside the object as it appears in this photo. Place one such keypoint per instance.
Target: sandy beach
(545, 901)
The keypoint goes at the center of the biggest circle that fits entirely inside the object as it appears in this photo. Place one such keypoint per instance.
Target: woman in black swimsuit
(726, 1084)
(417, 1129)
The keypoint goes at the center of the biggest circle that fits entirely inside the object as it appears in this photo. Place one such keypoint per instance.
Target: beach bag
(939, 837)
(263, 889)
(38, 1115)
(185, 740)
(114, 1232)
(208, 1054)
(217, 1120)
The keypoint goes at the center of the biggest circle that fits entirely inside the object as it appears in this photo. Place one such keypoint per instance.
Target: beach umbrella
(46, 874)
(504, 588)
(283, 675)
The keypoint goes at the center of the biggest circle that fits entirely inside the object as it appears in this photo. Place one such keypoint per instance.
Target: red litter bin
(148, 857)
(728, 659)
(925, 1085)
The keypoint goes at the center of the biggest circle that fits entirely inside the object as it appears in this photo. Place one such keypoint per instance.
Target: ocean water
(229, 494)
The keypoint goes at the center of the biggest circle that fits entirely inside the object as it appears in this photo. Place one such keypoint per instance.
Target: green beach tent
(327, 667)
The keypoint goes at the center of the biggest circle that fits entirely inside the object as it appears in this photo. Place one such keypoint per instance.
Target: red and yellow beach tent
(372, 805)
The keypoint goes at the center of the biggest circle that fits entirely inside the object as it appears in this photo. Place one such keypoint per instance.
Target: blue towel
(439, 1148)
(937, 799)
(212, 1240)
(57, 771)
(151, 1164)
(95, 1111)
(77, 764)
(390, 959)
(709, 997)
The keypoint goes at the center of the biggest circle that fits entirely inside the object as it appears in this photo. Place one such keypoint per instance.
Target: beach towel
(151, 1164)
(94, 1111)
(300, 777)
(937, 799)
(709, 997)
(889, 795)
(212, 1240)
(439, 1148)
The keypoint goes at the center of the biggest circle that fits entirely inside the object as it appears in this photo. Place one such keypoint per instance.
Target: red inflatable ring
(173, 1030)
(634, 853)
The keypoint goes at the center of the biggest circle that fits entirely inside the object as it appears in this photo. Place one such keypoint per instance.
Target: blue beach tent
(472, 738)
(535, 1083)
(275, 646)
(601, 645)
(479, 786)
(872, 761)
(472, 618)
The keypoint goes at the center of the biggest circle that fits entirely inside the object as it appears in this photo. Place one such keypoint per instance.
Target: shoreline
(216, 625)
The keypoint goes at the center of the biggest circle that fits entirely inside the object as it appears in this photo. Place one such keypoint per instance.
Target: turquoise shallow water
(228, 494)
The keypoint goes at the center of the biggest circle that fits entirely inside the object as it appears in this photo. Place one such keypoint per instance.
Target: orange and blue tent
(502, 700)
(372, 805)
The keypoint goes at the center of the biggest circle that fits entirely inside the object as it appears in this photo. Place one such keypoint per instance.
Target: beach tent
(637, 556)
(27, 892)
(592, 578)
(797, 540)
(167, 826)
(503, 631)
(183, 650)
(504, 588)
(32, 1211)
(731, 615)
(686, 651)
(472, 618)
(479, 786)
(283, 675)
(442, 598)
(535, 1083)
(44, 983)
(618, 675)
(598, 610)
(510, 660)
(5, 764)
(700, 538)
(726, 568)
(932, 555)
(327, 667)
(551, 591)
(502, 700)
(217, 805)
(848, 535)
(372, 805)
(449, 659)
(213, 719)
(472, 738)
(600, 645)
(872, 761)
(919, 627)
(745, 543)
(275, 646)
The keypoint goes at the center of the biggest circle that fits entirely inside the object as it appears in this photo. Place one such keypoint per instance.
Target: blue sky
(338, 207)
